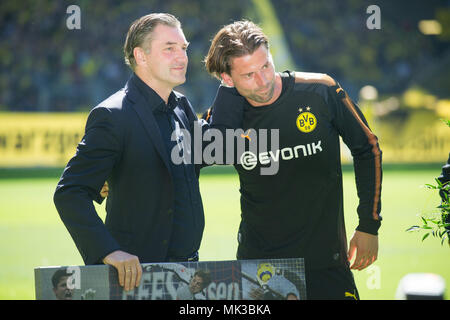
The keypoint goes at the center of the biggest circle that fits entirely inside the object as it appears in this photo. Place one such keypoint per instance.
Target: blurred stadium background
(52, 76)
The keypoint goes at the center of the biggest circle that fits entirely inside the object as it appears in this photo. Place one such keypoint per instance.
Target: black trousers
(335, 283)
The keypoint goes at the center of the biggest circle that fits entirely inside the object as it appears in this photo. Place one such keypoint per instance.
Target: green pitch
(31, 233)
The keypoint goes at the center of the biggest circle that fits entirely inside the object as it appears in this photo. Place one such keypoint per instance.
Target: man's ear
(139, 56)
(227, 80)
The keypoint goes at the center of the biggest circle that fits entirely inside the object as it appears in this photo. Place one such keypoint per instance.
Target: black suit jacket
(122, 145)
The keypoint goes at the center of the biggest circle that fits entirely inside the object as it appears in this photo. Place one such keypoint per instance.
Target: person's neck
(276, 93)
(163, 90)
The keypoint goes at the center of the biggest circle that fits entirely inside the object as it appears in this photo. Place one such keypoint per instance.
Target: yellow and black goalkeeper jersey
(297, 210)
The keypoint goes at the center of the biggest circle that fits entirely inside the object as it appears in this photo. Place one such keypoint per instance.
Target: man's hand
(366, 247)
(105, 190)
(128, 267)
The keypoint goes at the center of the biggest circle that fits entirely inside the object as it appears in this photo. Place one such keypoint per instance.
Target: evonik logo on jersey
(213, 146)
(236, 146)
(249, 160)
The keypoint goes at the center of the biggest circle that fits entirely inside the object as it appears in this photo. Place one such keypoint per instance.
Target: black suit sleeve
(81, 183)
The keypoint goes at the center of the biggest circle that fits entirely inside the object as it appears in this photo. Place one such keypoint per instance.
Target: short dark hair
(234, 40)
(60, 273)
(205, 275)
(142, 28)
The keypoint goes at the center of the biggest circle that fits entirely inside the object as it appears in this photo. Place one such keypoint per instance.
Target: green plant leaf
(443, 238)
(425, 236)
(424, 221)
(413, 228)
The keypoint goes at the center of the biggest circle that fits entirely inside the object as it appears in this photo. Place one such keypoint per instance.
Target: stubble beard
(265, 98)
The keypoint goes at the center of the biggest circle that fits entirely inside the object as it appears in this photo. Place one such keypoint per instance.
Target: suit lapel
(182, 117)
(149, 122)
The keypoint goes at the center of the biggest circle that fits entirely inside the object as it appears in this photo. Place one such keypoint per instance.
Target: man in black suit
(154, 208)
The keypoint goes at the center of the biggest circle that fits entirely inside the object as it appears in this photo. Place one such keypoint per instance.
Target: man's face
(196, 284)
(165, 56)
(61, 291)
(253, 76)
